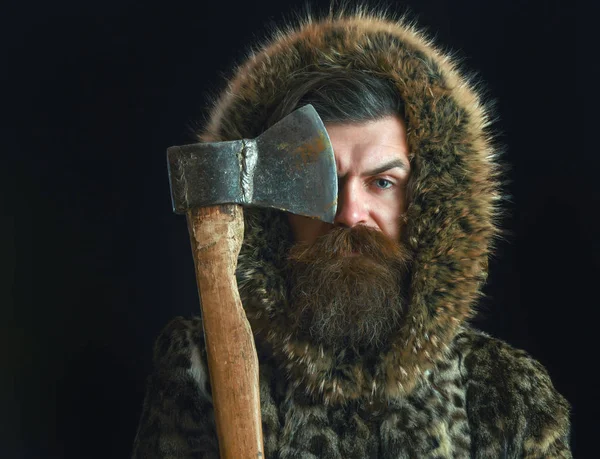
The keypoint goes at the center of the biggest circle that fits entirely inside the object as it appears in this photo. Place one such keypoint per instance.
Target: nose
(351, 209)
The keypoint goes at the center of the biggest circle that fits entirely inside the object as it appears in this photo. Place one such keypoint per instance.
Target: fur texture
(439, 389)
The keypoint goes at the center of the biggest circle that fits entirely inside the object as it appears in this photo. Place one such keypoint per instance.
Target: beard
(347, 288)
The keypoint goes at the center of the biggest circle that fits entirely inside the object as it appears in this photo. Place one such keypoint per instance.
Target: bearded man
(361, 326)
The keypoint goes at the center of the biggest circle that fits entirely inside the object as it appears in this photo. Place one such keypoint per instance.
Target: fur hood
(450, 221)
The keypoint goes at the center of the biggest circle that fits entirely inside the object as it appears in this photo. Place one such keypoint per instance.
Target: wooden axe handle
(216, 234)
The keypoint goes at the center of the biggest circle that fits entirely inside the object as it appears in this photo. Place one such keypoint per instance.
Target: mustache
(340, 243)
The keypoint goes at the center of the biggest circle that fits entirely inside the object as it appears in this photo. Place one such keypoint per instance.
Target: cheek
(387, 214)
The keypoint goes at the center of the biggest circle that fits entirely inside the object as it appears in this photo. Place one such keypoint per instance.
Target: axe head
(290, 166)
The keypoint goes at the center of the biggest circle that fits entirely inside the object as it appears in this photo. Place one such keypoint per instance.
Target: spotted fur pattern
(439, 389)
(486, 400)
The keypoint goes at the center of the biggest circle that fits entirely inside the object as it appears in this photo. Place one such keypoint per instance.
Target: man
(360, 326)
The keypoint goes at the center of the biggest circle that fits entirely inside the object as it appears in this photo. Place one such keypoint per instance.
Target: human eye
(382, 183)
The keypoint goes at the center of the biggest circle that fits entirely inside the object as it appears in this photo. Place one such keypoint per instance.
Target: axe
(290, 167)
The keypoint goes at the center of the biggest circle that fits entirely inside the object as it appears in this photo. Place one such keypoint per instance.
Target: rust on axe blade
(290, 166)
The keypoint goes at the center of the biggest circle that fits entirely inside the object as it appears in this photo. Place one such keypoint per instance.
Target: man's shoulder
(510, 392)
(486, 357)
(177, 417)
(178, 341)
(481, 352)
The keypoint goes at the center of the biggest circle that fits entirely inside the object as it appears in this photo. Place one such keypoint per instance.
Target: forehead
(365, 145)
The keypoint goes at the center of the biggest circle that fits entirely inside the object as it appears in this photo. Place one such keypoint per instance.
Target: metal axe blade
(290, 166)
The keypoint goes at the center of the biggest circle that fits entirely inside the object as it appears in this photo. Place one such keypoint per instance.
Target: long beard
(346, 288)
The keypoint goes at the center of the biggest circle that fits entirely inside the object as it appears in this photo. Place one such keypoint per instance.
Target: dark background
(94, 263)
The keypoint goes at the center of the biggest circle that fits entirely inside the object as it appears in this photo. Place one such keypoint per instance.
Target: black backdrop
(94, 263)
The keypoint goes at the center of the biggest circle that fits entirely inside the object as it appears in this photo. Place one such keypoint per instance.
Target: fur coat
(440, 389)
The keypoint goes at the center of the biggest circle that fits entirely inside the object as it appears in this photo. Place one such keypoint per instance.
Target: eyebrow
(387, 166)
(383, 168)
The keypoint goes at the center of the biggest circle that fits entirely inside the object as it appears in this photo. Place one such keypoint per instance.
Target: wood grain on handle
(216, 234)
